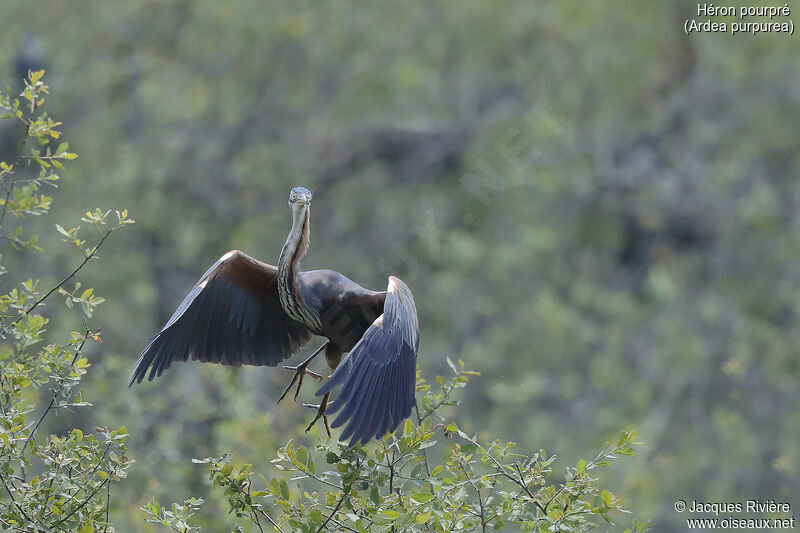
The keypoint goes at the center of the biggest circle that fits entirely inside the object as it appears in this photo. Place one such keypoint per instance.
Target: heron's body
(243, 311)
(342, 309)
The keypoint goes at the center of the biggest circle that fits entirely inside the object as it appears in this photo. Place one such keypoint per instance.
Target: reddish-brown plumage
(251, 275)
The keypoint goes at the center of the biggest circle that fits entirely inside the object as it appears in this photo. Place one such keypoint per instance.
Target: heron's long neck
(291, 296)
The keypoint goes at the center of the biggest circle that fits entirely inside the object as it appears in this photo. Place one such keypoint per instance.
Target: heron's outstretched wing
(378, 376)
(233, 316)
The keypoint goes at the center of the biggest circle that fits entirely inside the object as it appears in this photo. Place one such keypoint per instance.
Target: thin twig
(602, 455)
(271, 521)
(501, 469)
(333, 513)
(21, 510)
(525, 488)
(259, 509)
(480, 498)
(10, 186)
(319, 479)
(108, 505)
(84, 502)
(55, 395)
(343, 526)
(390, 465)
(424, 450)
(100, 462)
(445, 397)
(66, 279)
(36, 426)
(255, 519)
(96, 466)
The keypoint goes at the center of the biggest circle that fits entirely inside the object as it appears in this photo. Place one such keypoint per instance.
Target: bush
(393, 484)
(49, 482)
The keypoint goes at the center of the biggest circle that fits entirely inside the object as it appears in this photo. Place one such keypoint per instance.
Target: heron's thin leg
(300, 372)
(323, 405)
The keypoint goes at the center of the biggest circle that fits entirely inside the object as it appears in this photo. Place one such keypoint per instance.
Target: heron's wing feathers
(233, 316)
(378, 376)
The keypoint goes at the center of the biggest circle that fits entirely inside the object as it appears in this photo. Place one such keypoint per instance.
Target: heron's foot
(320, 414)
(300, 372)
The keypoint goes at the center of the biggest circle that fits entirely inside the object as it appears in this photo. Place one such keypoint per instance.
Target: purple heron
(245, 312)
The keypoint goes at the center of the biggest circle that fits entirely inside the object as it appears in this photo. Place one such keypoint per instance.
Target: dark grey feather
(378, 376)
(231, 316)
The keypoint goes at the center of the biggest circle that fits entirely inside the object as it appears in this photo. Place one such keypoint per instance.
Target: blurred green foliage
(596, 212)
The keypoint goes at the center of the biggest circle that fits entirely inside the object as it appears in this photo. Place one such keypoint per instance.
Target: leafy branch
(60, 389)
(390, 485)
(24, 200)
(71, 490)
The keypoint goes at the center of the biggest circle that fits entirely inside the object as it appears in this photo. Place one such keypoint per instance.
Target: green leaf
(422, 518)
(311, 466)
(275, 487)
(422, 497)
(35, 77)
(302, 455)
(391, 515)
(284, 489)
(62, 231)
(468, 448)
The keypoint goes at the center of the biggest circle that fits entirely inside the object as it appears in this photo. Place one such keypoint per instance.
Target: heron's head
(300, 198)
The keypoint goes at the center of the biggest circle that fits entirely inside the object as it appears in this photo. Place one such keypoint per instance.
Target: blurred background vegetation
(595, 211)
